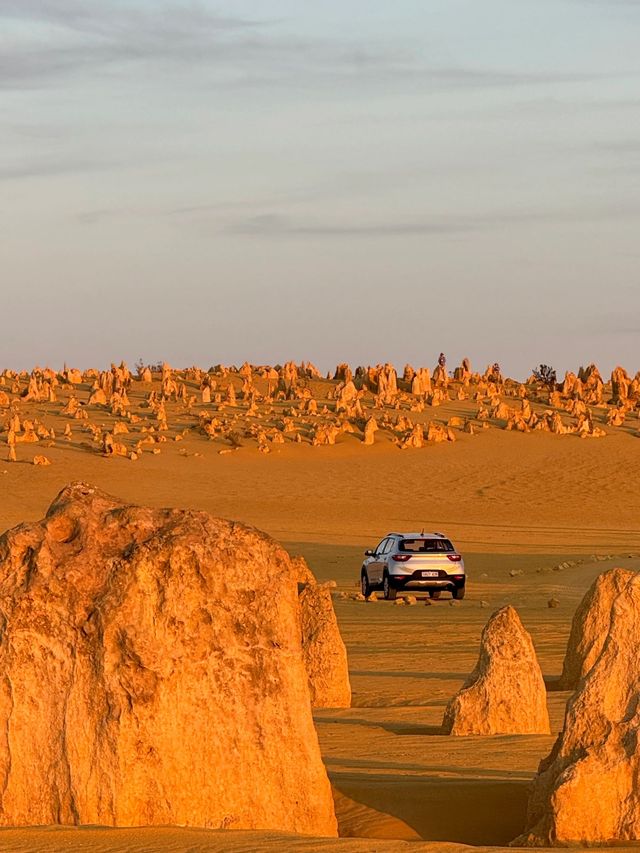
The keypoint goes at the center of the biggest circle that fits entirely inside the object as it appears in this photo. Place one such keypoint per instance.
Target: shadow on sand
(463, 810)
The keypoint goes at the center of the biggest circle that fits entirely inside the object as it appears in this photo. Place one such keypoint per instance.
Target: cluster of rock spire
(121, 413)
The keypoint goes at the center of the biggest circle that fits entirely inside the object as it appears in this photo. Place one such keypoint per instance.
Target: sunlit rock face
(151, 672)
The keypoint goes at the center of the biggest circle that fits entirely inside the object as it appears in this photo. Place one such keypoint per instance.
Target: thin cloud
(67, 37)
(93, 217)
(622, 146)
(152, 21)
(75, 35)
(71, 164)
(544, 106)
(278, 226)
(51, 168)
(272, 225)
(630, 4)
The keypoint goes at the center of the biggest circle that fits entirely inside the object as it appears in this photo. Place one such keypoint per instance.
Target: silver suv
(413, 561)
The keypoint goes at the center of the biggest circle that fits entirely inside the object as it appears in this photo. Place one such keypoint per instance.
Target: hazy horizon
(275, 180)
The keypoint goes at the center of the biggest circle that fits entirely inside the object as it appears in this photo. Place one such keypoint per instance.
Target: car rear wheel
(365, 586)
(458, 593)
(434, 593)
(389, 592)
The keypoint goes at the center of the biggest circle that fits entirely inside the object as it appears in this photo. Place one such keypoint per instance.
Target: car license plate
(430, 574)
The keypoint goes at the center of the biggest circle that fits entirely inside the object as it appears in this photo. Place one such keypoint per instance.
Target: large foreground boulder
(324, 652)
(587, 790)
(505, 693)
(590, 626)
(151, 672)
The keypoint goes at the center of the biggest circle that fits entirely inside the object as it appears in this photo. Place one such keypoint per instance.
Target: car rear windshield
(425, 546)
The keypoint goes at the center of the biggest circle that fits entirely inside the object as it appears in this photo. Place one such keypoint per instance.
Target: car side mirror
(369, 553)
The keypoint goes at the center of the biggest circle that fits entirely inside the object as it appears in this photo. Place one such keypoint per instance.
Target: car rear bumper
(417, 581)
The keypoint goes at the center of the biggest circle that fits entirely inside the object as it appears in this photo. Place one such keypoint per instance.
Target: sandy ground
(170, 840)
(509, 501)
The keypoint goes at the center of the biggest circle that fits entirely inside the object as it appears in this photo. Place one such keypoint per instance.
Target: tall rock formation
(324, 652)
(590, 626)
(151, 672)
(587, 791)
(505, 693)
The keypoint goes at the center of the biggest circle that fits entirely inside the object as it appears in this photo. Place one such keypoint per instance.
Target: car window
(389, 546)
(426, 546)
(381, 546)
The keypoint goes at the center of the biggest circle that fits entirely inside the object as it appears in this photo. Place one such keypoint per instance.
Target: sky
(202, 182)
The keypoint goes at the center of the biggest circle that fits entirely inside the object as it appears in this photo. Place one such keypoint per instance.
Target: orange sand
(508, 500)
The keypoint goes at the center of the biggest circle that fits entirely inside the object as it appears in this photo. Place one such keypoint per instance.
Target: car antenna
(422, 532)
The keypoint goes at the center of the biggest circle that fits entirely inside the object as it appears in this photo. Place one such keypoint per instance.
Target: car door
(377, 563)
(386, 552)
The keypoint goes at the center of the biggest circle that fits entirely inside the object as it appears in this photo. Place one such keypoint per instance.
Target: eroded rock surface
(505, 693)
(587, 789)
(591, 624)
(324, 651)
(151, 672)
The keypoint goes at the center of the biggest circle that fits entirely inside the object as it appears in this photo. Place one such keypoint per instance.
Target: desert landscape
(176, 680)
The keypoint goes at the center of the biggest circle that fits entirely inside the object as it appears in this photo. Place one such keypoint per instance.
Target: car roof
(422, 535)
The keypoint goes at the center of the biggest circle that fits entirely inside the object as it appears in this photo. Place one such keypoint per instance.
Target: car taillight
(455, 558)
(402, 558)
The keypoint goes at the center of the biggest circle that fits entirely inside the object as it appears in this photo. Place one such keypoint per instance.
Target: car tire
(365, 586)
(435, 594)
(389, 592)
(458, 594)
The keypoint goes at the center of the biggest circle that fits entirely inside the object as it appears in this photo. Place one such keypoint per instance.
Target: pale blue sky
(363, 181)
